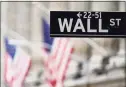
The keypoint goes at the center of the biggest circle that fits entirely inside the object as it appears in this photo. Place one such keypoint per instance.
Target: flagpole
(44, 45)
(26, 42)
(30, 44)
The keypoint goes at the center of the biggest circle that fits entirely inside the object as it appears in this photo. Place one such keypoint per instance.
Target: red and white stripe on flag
(17, 69)
(59, 60)
(8, 69)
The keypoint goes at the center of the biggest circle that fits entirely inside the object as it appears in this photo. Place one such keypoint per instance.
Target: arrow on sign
(79, 14)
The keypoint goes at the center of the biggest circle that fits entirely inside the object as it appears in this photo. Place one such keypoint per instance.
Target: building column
(36, 31)
(58, 6)
(112, 45)
(11, 14)
(122, 6)
(81, 48)
(105, 6)
(23, 19)
(106, 42)
(79, 6)
(4, 26)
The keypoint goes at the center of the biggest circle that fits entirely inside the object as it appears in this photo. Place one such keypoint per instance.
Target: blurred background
(88, 68)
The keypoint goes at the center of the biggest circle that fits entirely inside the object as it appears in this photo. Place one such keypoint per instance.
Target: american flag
(17, 64)
(59, 58)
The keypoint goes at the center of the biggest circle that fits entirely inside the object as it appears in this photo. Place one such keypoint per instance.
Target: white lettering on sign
(65, 23)
(115, 22)
(79, 25)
